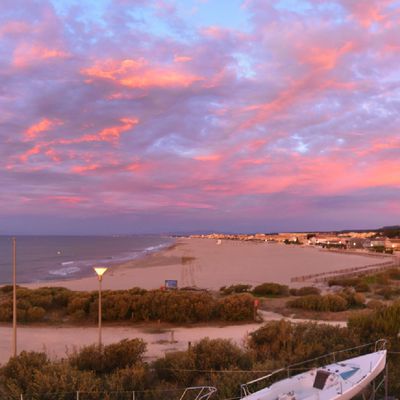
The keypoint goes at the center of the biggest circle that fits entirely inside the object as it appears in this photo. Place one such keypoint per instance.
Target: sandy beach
(193, 262)
(203, 263)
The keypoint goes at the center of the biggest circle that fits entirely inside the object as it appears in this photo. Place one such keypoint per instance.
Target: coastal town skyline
(154, 116)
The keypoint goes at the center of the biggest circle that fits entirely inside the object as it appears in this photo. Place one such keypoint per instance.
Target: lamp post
(100, 272)
(14, 253)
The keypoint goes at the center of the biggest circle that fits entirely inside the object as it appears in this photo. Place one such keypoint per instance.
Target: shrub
(304, 291)
(78, 315)
(177, 367)
(375, 304)
(240, 288)
(219, 354)
(116, 306)
(329, 302)
(20, 370)
(108, 358)
(353, 298)
(80, 301)
(383, 322)
(380, 279)
(129, 379)
(238, 307)
(387, 292)
(285, 342)
(346, 282)
(6, 311)
(43, 301)
(8, 288)
(362, 287)
(35, 314)
(358, 300)
(394, 273)
(271, 289)
(124, 353)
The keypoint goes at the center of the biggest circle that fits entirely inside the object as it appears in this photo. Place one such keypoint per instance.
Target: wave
(151, 249)
(67, 262)
(64, 271)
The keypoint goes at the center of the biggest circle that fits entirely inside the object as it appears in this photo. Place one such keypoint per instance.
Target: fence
(344, 272)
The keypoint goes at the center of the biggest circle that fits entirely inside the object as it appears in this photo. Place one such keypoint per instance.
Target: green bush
(354, 299)
(394, 273)
(346, 282)
(383, 322)
(271, 289)
(304, 291)
(283, 342)
(116, 306)
(54, 304)
(240, 288)
(387, 292)
(6, 310)
(362, 287)
(219, 354)
(20, 370)
(238, 307)
(129, 379)
(328, 302)
(8, 288)
(80, 301)
(375, 304)
(108, 358)
(177, 367)
(35, 314)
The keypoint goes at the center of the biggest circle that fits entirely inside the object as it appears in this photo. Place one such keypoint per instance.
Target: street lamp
(100, 272)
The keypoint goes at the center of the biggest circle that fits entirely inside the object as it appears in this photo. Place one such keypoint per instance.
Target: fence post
(133, 395)
(77, 395)
(22, 396)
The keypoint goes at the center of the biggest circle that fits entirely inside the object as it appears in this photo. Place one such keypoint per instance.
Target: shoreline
(202, 263)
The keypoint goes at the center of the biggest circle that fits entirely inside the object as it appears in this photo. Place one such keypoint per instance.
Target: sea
(46, 258)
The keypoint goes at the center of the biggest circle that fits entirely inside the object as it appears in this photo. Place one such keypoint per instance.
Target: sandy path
(56, 341)
(203, 263)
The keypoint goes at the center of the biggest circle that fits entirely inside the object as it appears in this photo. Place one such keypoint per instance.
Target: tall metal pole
(100, 279)
(100, 271)
(14, 342)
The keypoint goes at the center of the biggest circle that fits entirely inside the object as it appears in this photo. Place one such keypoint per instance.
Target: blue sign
(171, 284)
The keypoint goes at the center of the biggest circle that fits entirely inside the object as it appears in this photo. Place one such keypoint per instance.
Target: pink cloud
(65, 200)
(182, 59)
(32, 151)
(15, 28)
(45, 124)
(79, 169)
(298, 114)
(139, 74)
(366, 13)
(326, 58)
(208, 157)
(27, 54)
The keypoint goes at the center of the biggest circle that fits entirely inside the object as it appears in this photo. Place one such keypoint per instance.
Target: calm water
(43, 258)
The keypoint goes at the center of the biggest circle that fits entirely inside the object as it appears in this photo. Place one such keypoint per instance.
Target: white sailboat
(338, 381)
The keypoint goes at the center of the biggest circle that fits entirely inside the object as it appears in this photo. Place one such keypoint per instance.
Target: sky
(147, 116)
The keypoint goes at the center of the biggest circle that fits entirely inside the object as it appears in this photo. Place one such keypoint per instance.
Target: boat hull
(343, 381)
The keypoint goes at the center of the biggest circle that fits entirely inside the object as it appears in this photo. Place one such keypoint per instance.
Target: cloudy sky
(186, 115)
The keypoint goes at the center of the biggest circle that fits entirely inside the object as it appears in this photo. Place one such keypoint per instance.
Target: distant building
(356, 243)
(394, 244)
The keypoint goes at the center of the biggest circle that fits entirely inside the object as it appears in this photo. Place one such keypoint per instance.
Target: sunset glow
(160, 116)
